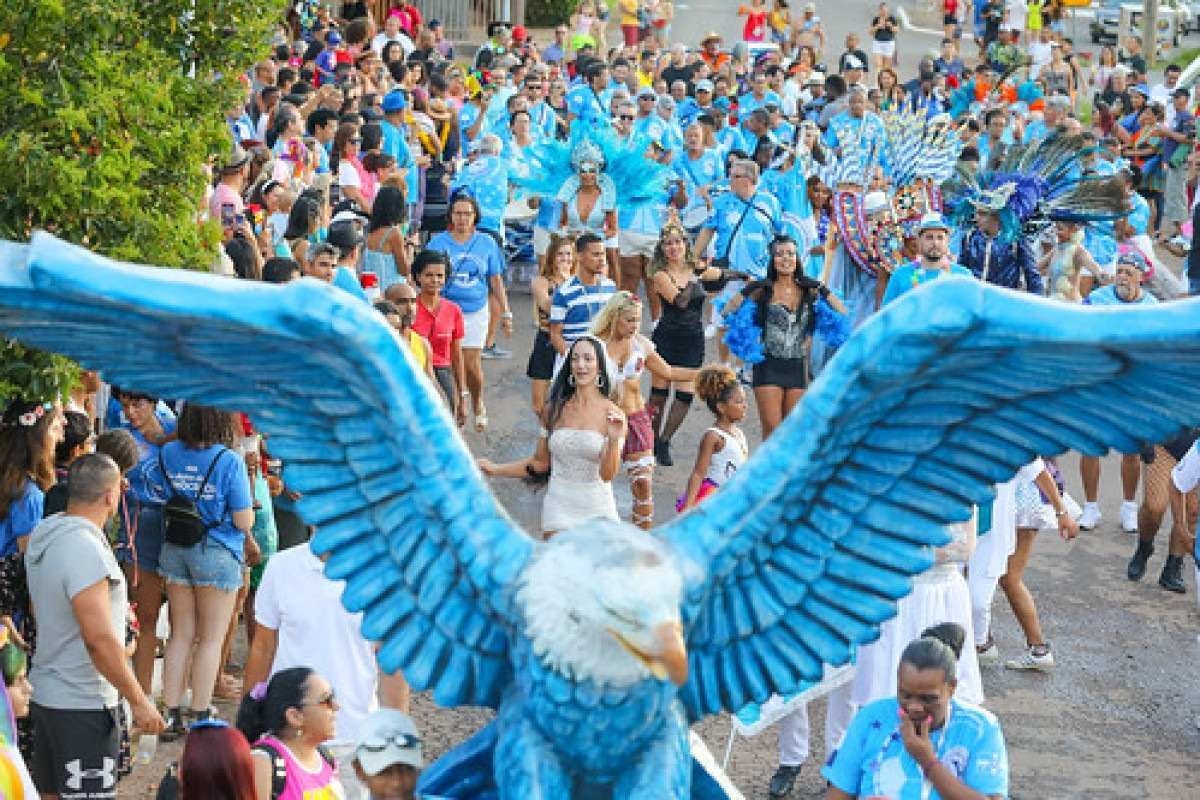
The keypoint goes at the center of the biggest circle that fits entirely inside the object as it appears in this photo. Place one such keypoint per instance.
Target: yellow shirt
(416, 346)
(629, 9)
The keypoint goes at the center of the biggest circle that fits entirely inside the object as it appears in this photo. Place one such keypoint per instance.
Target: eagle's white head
(601, 602)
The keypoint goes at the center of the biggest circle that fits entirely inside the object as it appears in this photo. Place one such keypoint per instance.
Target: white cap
(874, 201)
(388, 737)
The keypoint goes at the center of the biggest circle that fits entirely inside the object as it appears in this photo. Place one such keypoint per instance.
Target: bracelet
(465, 393)
(506, 315)
(1062, 513)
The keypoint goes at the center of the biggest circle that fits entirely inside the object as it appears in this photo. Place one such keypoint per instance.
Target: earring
(571, 380)
(299, 732)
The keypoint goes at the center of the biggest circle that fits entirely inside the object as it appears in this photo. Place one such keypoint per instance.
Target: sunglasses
(627, 117)
(327, 701)
(588, 169)
(405, 741)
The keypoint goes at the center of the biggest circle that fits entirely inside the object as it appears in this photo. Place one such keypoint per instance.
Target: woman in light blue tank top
(385, 254)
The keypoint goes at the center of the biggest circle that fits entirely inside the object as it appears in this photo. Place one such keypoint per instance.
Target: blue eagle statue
(598, 648)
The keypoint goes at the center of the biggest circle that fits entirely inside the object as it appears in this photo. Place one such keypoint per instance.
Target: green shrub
(548, 13)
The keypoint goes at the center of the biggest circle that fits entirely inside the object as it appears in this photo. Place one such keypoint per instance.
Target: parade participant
(476, 279)
(1181, 492)
(935, 262)
(940, 594)
(786, 313)
(557, 268)
(1158, 468)
(857, 129)
(879, 757)
(679, 335)
(589, 200)
(743, 222)
(629, 354)
(440, 321)
(388, 756)
(995, 260)
(723, 448)
(82, 669)
(286, 720)
(579, 445)
(1031, 513)
(589, 101)
(1070, 269)
(578, 299)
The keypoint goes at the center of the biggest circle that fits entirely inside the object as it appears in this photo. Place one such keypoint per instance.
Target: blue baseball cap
(394, 101)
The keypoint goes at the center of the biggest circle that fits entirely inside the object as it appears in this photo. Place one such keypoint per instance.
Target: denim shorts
(148, 536)
(203, 564)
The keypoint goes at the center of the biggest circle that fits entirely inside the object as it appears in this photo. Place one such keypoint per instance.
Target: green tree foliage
(109, 112)
(548, 13)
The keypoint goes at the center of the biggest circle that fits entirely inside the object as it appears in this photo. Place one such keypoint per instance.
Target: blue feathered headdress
(1035, 185)
(547, 167)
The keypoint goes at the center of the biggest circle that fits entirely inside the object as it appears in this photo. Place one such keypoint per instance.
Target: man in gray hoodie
(81, 671)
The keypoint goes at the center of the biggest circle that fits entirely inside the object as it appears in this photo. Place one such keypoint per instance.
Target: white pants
(983, 590)
(794, 730)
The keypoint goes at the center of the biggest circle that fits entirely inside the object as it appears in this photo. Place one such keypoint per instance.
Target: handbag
(723, 261)
(185, 525)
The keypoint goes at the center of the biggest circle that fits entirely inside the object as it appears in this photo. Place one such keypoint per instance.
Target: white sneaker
(1129, 516)
(988, 655)
(1028, 661)
(1090, 517)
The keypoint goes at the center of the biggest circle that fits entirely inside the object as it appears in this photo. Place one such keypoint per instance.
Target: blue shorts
(205, 564)
(148, 536)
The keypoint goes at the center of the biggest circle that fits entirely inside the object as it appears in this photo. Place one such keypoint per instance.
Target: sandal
(481, 420)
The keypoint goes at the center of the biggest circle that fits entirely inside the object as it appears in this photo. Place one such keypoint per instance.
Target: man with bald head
(399, 307)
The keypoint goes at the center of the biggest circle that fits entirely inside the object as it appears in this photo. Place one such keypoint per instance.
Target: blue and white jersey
(487, 179)
(703, 171)
(586, 104)
(744, 229)
(848, 135)
(575, 304)
(1107, 296)
(748, 103)
(542, 120)
(656, 129)
(466, 118)
(872, 760)
(729, 139)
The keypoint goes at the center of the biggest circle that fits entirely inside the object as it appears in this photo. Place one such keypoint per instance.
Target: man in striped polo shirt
(578, 299)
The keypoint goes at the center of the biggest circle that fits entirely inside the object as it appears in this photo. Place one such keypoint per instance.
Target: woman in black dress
(679, 335)
(786, 315)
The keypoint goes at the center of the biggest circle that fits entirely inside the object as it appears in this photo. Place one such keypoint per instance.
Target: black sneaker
(1172, 575)
(1137, 564)
(783, 780)
(662, 453)
(175, 726)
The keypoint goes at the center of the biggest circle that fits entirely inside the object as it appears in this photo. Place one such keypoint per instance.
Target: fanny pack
(185, 525)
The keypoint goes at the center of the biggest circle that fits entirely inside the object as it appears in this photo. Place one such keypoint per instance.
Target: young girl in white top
(723, 447)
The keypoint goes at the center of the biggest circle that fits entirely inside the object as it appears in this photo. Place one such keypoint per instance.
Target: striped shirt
(575, 304)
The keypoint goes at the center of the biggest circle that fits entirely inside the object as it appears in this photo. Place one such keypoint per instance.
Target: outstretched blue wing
(427, 554)
(944, 393)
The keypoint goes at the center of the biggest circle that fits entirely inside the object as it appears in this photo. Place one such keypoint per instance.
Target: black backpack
(185, 525)
(279, 766)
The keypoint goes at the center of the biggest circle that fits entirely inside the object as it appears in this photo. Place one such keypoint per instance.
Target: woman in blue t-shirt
(29, 432)
(922, 744)
(140, 520)
(202, 579)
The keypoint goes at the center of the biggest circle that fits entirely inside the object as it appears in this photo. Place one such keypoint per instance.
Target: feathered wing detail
(920, 147)
(427, 554)
(944, 393)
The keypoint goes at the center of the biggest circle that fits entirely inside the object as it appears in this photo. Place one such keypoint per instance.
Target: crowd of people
(655, 196)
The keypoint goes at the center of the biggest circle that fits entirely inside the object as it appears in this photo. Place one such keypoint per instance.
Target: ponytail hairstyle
(715, 384)
(950, 634)
(264, 709)
(938, 648)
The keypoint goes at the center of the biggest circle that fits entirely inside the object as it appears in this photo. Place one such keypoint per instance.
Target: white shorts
(541, 241)
(637, 244)
(475, 326)
(886, 49)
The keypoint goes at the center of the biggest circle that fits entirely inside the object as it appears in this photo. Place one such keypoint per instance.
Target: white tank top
(729, 458)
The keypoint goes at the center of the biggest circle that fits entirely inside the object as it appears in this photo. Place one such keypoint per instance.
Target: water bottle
(147, 746)
(369, 281)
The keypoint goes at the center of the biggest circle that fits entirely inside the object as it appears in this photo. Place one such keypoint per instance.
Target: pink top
(302, 783)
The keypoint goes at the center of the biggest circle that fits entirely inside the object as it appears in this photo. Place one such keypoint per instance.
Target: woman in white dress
(579, 445)
(939, 594)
